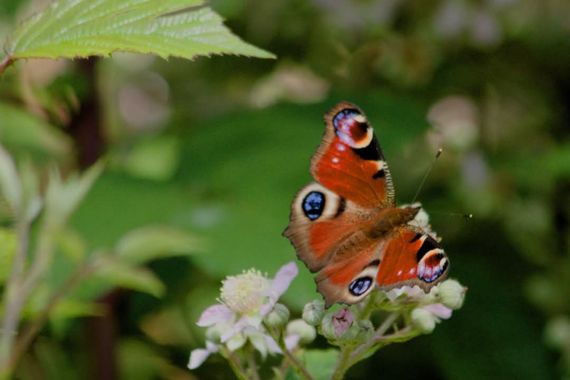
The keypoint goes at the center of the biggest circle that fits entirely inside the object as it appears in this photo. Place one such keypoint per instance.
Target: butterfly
(345, 225)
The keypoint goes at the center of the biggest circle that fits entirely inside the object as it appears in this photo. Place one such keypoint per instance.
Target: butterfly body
(346, 227)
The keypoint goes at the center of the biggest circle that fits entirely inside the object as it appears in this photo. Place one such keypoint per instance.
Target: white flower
(430, 308)
(199, 356)
(409, 294)
(245, 293)
(245, 300)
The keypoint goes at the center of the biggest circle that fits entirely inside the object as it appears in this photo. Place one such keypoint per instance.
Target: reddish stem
(5, 63)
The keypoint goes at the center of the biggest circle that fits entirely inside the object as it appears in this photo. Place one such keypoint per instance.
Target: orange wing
(411, 258)
(350, 161)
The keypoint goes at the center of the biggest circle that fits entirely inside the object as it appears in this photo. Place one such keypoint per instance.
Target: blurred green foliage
(218, 147)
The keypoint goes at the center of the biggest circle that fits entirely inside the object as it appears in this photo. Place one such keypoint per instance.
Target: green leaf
(154, 242)
(319, 363)
(70, 308)
(63, 197)
(72, 245)
(81, 28)
(21, 131)
(122, 274)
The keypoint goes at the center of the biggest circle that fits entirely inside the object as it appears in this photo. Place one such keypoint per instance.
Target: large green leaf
(81, 28)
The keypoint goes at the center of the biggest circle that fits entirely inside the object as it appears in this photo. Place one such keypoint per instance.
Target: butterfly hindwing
(350, 277)
(411, 258)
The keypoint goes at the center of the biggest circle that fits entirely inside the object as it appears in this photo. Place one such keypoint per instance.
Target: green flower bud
(452, 294)
(299, 327)
(278, 316)
(327, 328)
(365, 330)
(423, 320)
(313, 312)
(359, 331)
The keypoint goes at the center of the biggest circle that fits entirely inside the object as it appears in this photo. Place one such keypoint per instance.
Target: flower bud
(278, 316)
(359, 331)
(313, 312)
(423, 320)
(365, 330)
(452, 294)
(335, 325)
(299, 327)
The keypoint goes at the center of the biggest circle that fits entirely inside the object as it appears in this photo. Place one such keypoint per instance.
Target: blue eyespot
(359, 286)
(313, 205)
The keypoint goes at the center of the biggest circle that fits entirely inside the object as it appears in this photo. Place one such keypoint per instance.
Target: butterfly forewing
(350, 161)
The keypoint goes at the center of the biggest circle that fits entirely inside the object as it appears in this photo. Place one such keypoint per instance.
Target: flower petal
(439, 310)
(272, 345)
(215, 314)
(197, 357)
(257, 339)
(283, 279)
(235, 329)
(342, 320)
(236, 342)
(279, 285)
(212, 347)
(292, 341)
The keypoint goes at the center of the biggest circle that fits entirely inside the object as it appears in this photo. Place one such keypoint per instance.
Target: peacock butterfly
(345, 225)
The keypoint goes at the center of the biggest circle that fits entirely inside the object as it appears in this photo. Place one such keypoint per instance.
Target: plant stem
(376, 339)
(343, 364)
(350, 355)
(36, 325)
(236, 366)
(252, 365)
(14, 299)
(42, 259)
(5, 63)
(388, 322)
(301, 370)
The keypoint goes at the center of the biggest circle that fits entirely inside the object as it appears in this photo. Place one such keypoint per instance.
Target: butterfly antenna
(464, 216)
(439, 151)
